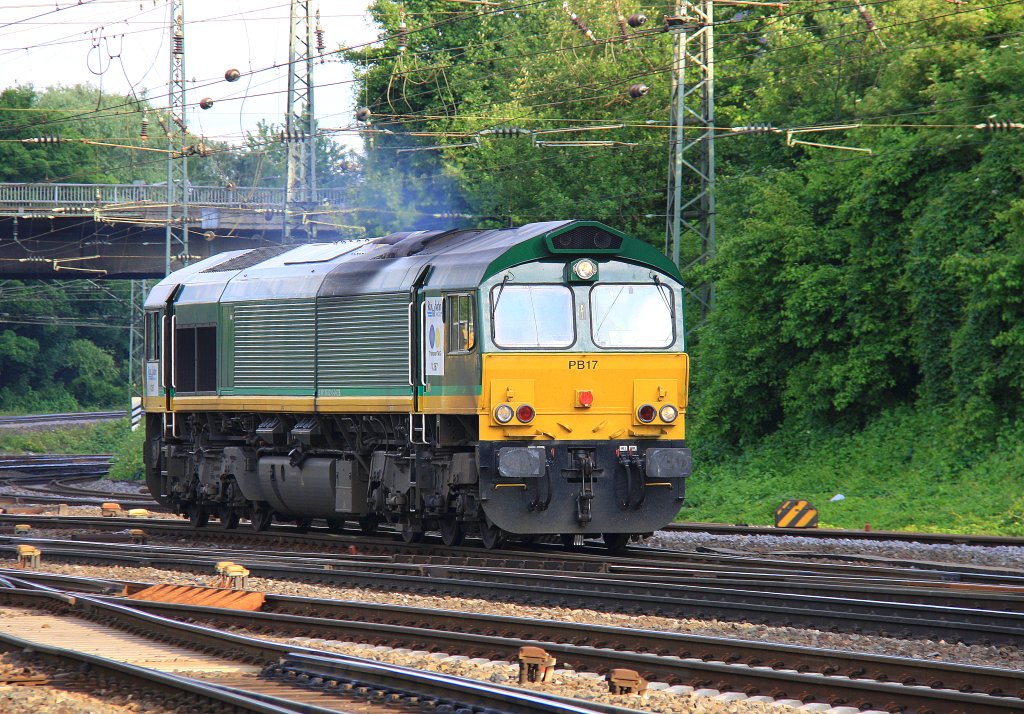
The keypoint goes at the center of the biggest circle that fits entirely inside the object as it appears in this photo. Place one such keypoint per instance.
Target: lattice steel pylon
(136, 335)
(692, 159)
(300, 119)
(177, 131)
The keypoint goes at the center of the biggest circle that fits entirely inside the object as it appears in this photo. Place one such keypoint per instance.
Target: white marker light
(584, 269)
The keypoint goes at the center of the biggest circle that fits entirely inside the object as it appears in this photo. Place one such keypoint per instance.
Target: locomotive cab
(584, 380)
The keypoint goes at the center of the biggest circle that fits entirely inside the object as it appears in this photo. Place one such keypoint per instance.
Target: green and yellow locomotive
(499, 383)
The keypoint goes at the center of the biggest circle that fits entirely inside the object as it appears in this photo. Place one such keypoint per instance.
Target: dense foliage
(847, 284)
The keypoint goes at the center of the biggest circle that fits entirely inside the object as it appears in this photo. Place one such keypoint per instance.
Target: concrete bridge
(60, 230)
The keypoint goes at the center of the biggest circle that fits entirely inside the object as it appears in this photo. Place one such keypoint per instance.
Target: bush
(904, 471)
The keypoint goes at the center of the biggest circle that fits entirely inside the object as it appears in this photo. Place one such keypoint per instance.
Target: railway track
(88, 624)
(36, 479)
(38, 419)
(835, 677)
(706, 563)
(936, 608)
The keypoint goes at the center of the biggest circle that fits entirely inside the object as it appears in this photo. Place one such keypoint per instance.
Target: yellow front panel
(550, 383)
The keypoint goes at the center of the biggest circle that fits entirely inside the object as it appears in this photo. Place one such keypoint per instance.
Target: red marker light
(646, 413)
(525, 413)
(584, 398)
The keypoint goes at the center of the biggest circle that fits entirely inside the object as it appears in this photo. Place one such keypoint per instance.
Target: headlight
(646, 413)
(503, 413)
(668, 413)
(584, 269)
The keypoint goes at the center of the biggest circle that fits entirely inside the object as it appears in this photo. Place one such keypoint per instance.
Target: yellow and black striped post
(794, 513)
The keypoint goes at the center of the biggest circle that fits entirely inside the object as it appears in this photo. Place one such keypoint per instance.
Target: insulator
(636, 19)
(999, 125)
(163, 125)
(205, 103)
(363, 114)
(638, 90)
(403, 36)
(755, 128)
(179, 43)
(575, 19)
(509, 131)
(232, 75)
(320, 44)
(180, 122)
(144, 129)
(44, 140)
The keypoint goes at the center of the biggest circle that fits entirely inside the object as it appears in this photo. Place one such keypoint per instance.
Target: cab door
(451, 360)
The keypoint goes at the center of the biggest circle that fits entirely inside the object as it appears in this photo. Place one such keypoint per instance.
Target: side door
(431, 349)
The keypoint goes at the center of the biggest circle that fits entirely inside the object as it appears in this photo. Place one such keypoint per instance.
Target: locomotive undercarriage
(418, 474)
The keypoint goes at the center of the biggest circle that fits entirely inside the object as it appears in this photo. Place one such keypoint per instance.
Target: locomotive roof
(460, 258)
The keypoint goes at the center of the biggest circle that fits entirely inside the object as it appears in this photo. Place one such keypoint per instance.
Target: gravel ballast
(999, 556)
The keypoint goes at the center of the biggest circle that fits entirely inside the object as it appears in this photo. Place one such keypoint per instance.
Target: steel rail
(545, 588)
(658, 656)
(1008, 598)
(1008, 593)
(709, 563)
(751, 678)
(68, 416)
(368, 673)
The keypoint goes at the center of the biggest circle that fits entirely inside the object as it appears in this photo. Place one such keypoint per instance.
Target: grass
(109, 437)
(907, 470)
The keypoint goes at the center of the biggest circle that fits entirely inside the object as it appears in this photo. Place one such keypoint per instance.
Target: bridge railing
(83, 195)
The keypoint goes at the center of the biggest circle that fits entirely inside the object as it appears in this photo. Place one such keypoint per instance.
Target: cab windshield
(632, 315)
(533, 316)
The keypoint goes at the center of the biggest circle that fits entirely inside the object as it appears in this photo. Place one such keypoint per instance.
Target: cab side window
(154, 326)
(461, 323)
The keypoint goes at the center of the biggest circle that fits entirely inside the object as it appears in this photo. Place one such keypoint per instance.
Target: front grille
(585, 238)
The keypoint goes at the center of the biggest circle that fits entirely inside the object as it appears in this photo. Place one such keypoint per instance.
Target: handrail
(96, 195)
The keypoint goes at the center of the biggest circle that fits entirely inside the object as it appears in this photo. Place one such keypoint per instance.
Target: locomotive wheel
(492, 536)
(228, 514)
(368, 524)
(411, 533)
(261, 517)
(197, 515)
(229, 517)
(615, 542)
(302, 525)
(451, 532)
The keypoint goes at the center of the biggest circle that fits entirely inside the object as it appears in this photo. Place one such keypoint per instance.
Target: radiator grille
(364, 342)
(274, 345)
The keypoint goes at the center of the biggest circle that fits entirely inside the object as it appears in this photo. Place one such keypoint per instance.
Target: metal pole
(300, 117)
(692, 162)
(177, 131)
